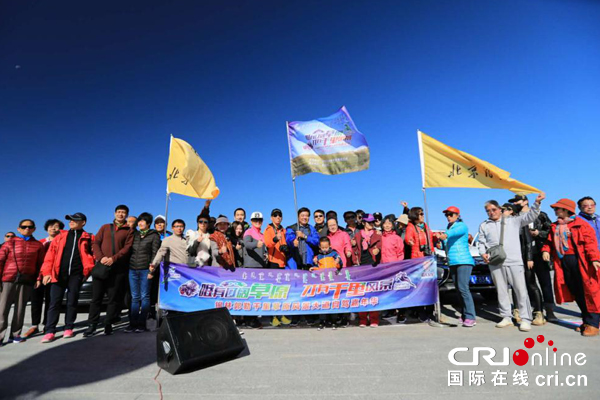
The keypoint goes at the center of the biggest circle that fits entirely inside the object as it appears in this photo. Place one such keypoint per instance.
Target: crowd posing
(518, 241)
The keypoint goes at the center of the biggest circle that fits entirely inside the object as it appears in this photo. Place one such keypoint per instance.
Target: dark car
(481, 279)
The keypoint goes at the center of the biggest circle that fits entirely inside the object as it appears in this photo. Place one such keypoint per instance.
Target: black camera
(425, 249)
(284, 248)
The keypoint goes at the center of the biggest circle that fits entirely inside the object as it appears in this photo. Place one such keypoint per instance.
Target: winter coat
(593, 221)
(340, 242)
(275, 255)
(296, 260)
(583, 237)
(374, 243)
(254, 256)
(51, 266)
(457, 245)
(225, 260)
(102, 245)
(392, 247)
(420, 238)
(526, 244)
(144, 249)
(21, 256)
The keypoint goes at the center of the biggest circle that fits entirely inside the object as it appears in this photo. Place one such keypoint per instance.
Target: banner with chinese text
(257, 291)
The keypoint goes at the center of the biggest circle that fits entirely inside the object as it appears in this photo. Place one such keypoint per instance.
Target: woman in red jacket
(367, 251)
(20, 261)
(574, 248)
(420, 239)
(392, 246)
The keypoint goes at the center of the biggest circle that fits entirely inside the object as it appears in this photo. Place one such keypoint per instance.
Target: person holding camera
(275, 241)
(500, 247)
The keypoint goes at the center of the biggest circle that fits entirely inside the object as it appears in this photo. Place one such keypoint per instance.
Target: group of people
(516, 240)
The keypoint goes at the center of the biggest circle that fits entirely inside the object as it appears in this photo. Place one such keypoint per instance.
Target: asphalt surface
(389, 362)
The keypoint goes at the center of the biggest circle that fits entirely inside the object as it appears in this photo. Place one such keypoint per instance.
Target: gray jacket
(177, 247)
(489, 234)
(254, 256)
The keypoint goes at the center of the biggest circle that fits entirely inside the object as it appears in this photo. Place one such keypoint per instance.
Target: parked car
(481, 279)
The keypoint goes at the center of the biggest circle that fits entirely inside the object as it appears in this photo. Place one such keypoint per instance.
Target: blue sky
(92, 91)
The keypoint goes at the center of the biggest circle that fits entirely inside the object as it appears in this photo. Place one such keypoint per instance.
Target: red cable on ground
(159, 385)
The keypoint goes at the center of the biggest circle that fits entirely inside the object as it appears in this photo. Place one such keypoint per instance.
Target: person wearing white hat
(254, 243)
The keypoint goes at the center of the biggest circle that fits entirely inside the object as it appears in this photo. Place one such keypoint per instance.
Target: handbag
(22, 279)
(497, 253)
(101, 271)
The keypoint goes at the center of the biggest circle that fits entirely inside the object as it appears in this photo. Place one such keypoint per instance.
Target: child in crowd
(326, 259)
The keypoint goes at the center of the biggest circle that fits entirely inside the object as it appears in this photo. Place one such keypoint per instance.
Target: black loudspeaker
(189, 341)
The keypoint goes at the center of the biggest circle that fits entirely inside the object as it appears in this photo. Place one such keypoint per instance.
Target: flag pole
(158, 313)
(287, 129)
(438, 305)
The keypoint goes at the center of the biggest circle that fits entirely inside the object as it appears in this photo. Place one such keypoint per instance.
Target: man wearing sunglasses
(21, 259)
(511, 269)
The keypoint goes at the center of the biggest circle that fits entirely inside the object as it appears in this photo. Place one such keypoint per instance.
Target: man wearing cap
(160, 227)
(511, 270)
(538, 230)
(220, 246)
(275, 241)
(573, 245)
(68, 263)
(254, 243)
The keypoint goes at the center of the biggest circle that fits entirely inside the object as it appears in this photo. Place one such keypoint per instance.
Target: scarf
(562, 235)
(366, 238)
(118, 225)
(255, 233)
(226, 259)
(144, 233)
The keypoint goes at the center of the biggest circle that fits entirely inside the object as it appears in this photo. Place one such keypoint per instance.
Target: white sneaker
(504, 323)
(525, 326)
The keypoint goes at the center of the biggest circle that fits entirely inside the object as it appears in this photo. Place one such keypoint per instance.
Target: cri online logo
(520, 357)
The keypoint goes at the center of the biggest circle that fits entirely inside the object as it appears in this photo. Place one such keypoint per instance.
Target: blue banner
(258, 291)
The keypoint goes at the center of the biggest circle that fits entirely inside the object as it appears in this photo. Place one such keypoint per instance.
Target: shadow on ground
(77, 363)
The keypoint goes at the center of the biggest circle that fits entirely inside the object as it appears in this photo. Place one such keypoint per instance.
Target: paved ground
(389, 362)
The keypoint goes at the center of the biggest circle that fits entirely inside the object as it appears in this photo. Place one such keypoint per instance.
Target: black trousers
(574, 282)
(40, 301)
(542, 271)
(57, 291)
(114, 287)
(154, 288)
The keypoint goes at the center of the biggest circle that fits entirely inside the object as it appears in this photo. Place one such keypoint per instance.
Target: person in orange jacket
(275, 241)
(68, 263)
(276, 251)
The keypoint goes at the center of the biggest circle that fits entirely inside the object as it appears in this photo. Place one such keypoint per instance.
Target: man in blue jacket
(587, 206)
(302, 241)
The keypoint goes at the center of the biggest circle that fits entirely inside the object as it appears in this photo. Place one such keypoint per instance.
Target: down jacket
(24, 256)
(54, 254)
(457, 245)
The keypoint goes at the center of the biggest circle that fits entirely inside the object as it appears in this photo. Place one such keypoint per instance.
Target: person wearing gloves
(509, 269)
(573, 244)
(455, 240)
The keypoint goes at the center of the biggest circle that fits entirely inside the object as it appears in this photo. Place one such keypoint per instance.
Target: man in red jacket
(111, 247)
(68, 263)
(20, 261)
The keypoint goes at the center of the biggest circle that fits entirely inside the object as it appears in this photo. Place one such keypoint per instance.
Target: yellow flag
(444, 166)
(187, 174)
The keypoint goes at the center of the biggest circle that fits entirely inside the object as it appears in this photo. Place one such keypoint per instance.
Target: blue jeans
(140, 297)
(461, 274)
